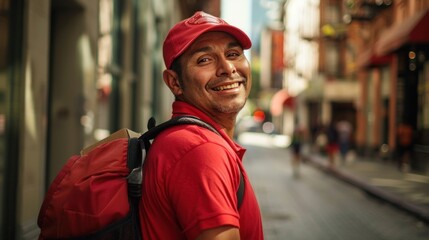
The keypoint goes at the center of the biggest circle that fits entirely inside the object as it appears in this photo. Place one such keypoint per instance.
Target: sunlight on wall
(88, 65)
(30, 116)
(238, 13)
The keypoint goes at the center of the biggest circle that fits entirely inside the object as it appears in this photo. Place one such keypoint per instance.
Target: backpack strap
(180, 120)
(134, 158)
(136, 167)
(144, 142)
(240, 191)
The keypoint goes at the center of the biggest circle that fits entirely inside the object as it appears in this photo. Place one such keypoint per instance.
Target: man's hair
(176, 66)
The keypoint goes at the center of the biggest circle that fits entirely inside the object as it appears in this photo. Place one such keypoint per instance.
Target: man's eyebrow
(234, 44)
(202, 49)
(208, 48)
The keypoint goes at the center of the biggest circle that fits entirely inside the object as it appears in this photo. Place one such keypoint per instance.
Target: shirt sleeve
(202, 188)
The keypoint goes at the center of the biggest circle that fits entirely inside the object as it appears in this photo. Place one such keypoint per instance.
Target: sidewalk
(409, 191)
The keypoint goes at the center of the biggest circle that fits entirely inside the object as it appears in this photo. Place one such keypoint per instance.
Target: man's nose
(225, 67)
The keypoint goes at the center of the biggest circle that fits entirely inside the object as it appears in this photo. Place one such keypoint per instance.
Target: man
(192, 174)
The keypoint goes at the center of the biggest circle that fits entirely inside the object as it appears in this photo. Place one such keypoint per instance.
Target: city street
(317, 206)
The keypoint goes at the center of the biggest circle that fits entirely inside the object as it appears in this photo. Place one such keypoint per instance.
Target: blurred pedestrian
(332, 146)
(192, 174)
(321, 141)
(344, 129)
(296, 144)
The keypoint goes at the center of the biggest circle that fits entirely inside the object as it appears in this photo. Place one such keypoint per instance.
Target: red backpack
(96, 193)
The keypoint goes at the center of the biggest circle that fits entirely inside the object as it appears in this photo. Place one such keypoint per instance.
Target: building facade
(364, 62)
(317, 57)
(392, 69)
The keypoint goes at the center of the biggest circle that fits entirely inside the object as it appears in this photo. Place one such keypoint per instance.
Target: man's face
(215, 74)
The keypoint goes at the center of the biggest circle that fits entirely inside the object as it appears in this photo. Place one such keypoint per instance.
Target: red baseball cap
(183, 34)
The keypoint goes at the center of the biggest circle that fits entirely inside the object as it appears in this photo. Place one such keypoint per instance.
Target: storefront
(422, 139)
(409, 42)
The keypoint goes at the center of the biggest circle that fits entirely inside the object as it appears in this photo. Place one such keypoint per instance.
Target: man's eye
(233, 54)
(203, 60)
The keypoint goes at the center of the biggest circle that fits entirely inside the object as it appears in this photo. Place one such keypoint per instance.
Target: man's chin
(232, 108)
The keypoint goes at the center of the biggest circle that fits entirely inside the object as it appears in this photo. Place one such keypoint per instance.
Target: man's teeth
(226, 87)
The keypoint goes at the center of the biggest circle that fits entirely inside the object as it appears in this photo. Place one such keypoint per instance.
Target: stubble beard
(232, 108)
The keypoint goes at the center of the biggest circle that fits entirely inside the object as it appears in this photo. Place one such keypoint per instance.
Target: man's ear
(171, 79)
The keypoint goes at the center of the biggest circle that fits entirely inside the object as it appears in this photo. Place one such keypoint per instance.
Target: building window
(332, 58)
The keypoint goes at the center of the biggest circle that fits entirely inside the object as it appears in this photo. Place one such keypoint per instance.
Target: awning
(413, 30)
(368, 58)
(279, 101)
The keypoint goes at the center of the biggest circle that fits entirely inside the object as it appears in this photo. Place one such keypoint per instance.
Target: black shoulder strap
(180, 120)
(240, 191)
(135, 177)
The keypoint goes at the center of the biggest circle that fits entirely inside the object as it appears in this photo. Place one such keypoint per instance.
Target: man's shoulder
(184, 142)
(186, 136)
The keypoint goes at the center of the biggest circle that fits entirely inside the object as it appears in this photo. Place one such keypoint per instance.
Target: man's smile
(227, 87)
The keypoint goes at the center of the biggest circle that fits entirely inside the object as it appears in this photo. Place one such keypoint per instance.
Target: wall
(31, 172)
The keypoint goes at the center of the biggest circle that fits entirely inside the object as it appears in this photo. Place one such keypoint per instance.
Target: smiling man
(192, 174)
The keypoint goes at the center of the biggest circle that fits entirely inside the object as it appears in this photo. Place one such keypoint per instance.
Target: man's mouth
(227, 87)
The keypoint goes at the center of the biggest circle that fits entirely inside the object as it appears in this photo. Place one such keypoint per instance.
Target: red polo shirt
(190, 183)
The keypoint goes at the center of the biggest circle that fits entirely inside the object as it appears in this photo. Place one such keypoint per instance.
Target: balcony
(367, 10)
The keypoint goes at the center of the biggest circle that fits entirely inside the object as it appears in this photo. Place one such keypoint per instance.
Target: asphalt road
(317, 206)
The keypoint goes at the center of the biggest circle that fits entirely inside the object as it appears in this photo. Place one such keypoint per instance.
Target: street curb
(417, 211)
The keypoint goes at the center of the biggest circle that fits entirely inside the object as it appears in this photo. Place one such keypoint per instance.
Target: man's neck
(227, 121)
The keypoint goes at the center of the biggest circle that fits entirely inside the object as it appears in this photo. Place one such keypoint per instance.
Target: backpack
(96, 194)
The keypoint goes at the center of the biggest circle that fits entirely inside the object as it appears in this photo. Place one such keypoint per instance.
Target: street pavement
(324, 204)
(406, 190)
